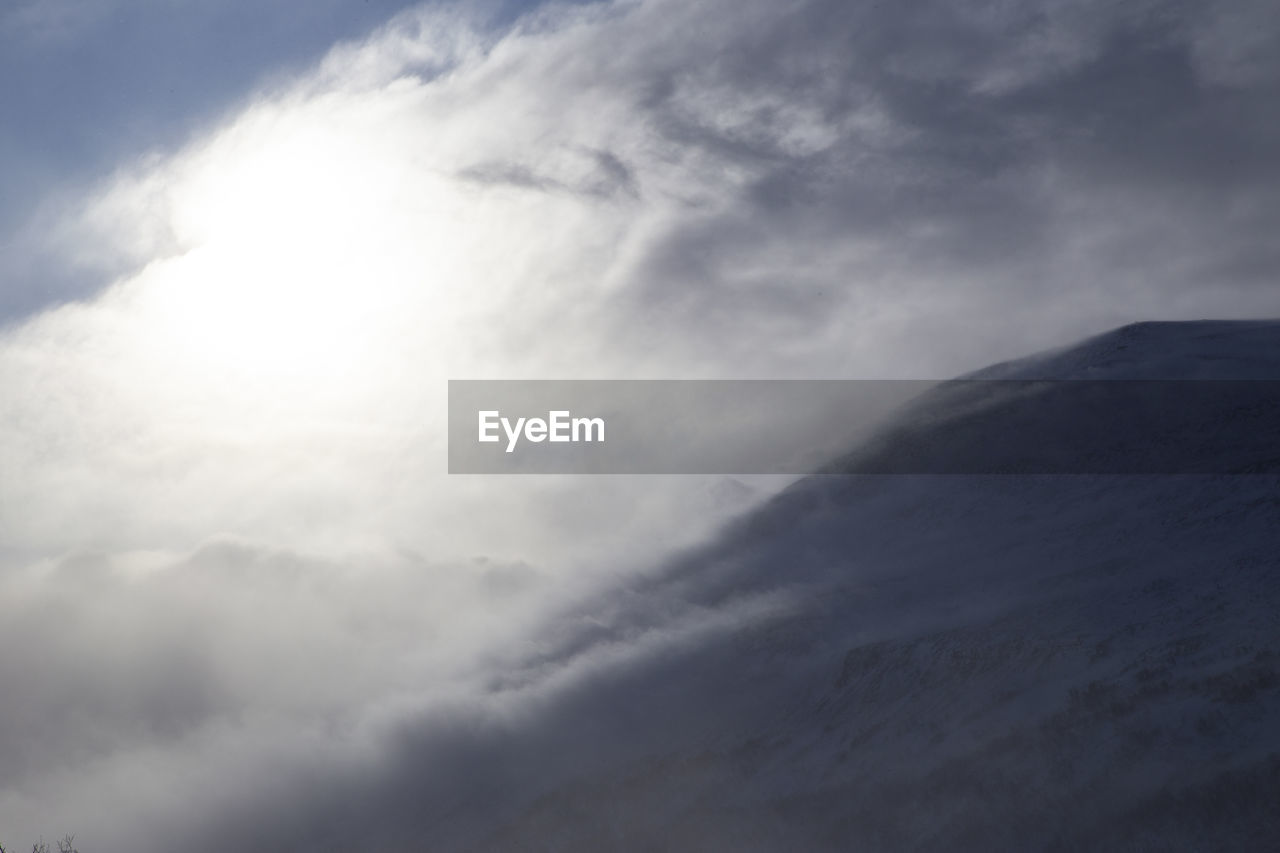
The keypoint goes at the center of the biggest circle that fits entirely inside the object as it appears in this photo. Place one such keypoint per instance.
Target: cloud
(225, 514)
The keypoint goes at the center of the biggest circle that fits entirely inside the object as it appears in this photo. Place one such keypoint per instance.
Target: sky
(89, 86)
(242, 250)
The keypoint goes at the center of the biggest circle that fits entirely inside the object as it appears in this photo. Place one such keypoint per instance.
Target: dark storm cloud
(980, 142)
(601, 174)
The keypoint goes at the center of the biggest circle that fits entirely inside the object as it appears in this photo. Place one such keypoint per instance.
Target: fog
(230, 556)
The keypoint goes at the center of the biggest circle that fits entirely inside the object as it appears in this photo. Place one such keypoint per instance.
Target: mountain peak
(1200, 349)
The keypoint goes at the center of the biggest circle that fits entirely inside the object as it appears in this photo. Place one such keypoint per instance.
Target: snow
(1052, 662)
(920, 662)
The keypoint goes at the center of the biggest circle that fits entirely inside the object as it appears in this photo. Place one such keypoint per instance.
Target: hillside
(925, 662)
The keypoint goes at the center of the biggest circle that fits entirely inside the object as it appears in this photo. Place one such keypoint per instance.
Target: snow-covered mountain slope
(1211, 349)
(925, 662)
(1152, 398)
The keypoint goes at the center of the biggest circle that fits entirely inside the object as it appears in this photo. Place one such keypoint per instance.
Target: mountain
(1058, 662)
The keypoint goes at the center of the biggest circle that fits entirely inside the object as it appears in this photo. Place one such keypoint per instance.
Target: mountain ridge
(899, 663)
(1120, 629)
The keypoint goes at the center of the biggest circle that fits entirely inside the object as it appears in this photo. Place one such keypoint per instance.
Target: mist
(230, 556)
